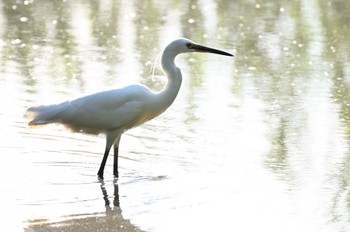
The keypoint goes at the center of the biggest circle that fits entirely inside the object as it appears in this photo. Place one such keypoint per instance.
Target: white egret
(115, 111)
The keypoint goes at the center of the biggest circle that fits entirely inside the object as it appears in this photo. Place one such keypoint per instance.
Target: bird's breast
(145, 116)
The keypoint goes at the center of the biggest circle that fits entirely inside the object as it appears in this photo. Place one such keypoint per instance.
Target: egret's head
(184, 45)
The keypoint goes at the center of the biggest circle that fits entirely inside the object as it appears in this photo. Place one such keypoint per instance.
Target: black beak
(200, 48)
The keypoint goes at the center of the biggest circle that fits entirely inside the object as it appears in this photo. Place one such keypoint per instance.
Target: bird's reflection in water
(112, 220)
(110, 211)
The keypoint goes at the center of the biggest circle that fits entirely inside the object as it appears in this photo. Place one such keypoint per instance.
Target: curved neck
(174, 76)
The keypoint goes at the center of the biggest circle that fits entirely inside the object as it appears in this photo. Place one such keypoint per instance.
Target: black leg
(103, 163)
(113, 137)
(105, 195)
(115, 166)
(116, 195)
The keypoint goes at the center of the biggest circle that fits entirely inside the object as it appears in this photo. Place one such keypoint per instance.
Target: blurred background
(258, 142)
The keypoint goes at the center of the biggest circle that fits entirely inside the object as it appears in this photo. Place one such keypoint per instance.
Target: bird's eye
(189, 45)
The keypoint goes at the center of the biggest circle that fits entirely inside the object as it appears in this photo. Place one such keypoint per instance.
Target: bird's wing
(105, 110)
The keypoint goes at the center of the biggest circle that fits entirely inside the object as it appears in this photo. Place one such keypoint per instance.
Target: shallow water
(259, 142)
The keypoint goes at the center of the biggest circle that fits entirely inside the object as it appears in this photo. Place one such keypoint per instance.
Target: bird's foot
(100, 177)
(116, 174)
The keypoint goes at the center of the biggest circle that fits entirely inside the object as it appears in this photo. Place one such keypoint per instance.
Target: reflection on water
(111, 220)
(265, 136)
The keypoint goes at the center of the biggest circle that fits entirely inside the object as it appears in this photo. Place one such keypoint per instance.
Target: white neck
(174, 76)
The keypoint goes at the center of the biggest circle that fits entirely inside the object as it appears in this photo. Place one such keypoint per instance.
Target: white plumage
(92, 114)
(114, 111)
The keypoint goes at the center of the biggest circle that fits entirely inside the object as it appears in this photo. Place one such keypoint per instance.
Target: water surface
(259, 142)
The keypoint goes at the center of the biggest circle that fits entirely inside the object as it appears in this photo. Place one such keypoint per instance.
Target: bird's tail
(44, 114)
